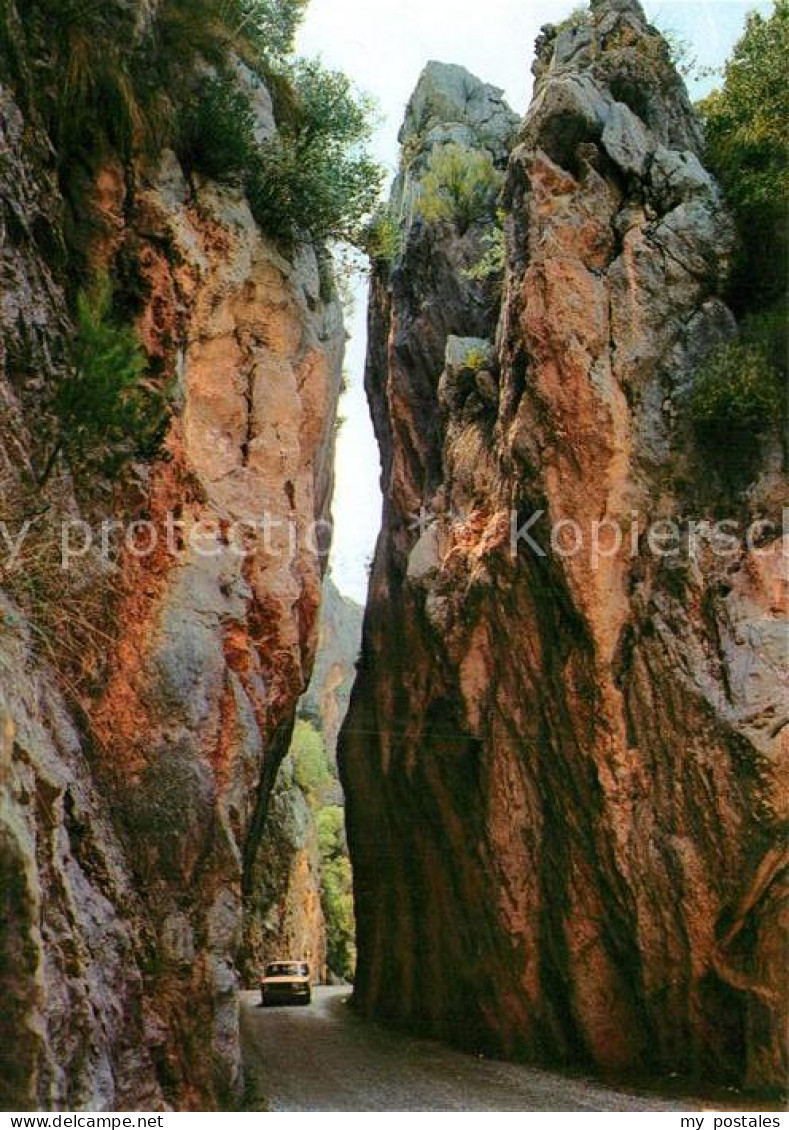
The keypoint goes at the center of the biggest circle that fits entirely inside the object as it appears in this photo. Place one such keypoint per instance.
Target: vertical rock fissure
(274, 757)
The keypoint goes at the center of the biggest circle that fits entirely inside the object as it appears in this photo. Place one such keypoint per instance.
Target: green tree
(104, 412)
(331, 824)
(748, 150)
(271, 25)
(740, 393)
(337, 892)
(311, 773)
(310, 763)
(217, 134)
(260, 30)
(736, 398)
(315, 178)
(382, 238)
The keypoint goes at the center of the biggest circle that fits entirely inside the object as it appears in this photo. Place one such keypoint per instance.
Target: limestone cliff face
(339, 639)
(564, 773)
(131, 810)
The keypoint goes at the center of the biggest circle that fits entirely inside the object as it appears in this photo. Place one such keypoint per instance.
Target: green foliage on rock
(460, 186)
(256, 30)
(382, 239)
(217, 131)
(579, 17)
(315, 177)
(741, 391)
(312, 774)
(735, 396)
(337, 892)
(118, 89)
(748, 150)
(80, 79)
(270, 25)
(187, 30)
(92, 98)
(475, 360)
(491, 264)
(105, 414)
(310, 764)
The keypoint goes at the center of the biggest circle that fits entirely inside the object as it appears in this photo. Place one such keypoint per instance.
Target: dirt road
(325, 1058)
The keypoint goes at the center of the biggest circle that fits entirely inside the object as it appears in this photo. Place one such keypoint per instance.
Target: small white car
(286, 982)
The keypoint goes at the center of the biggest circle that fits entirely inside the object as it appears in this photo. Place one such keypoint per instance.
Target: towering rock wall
(564, 768)
(132, 804)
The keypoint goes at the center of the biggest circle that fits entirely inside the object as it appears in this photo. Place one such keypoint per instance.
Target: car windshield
(287, 969)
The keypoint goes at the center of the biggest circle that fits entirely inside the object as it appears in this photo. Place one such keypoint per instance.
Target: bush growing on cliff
(382, 238)
(259, 30)
(460, 186)
(741, 392)
(311, 773)
(316, 178)
(735, 395)
(105, 88)
(118, 89)
(492, 263)
(104, 413)
(579, 17)
(271, 25)
(218, 131)
(185, 30)
(87, 94)
(93, 98)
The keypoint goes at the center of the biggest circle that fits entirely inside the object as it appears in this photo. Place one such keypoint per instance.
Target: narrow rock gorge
(564, 760)
(566, 767)
(137, 764)
(288, 906)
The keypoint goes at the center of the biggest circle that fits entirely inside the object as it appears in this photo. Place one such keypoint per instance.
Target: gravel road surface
(325, 1058)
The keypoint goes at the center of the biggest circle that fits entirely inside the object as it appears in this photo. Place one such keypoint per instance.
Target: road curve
(325, 1058)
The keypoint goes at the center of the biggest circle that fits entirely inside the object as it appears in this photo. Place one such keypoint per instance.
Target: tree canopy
(748, 149)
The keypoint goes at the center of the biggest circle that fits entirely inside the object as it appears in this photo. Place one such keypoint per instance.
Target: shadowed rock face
(129, 828)
(564, 774)
(283, 916)
(339, 637)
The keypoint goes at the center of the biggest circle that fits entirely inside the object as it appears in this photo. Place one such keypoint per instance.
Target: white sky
(383, 45)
